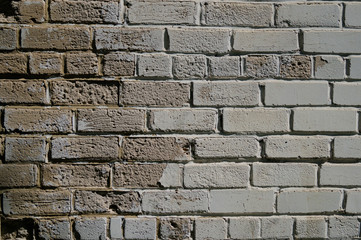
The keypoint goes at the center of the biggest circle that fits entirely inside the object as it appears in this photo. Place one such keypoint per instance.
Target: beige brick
(261, 66)
(31, 11)
(160, 94)
(265, 120)
(21, 149)
(63, 175)
(223, 93)
(28, 92)
(224, 67)
(36, 202)
(189, 66)
(340, 175)
(298, 147)
(84, 11)
(347, 147)
(59, 38)
(84, 93)
(45, 63)
(91, 148)
(82, 64)
(156, 149)
(311, 227)
(238, 14)
(15, 175)
(329, 67)
(347, 93)
(199, 40)
(352, 16)
(38, 120)
(295, 67)
(119, 63)
(183, 120)
(325, 120)
(13, 63)
(117, 38)
(8, 38)
(155, 65)
(111, 120)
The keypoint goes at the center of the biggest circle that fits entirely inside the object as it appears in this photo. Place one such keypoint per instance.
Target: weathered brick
(84, 93)
(298, 147)
(241, 201)
(227, 147)
(175, 228)
(261, 66)
(347, 147)
(199, 40)
(189, 66)
(107, 202)
(81, 64)
(216, 175)
(119, 63)
(352, 16)
(223, 93)
(16, 175)
(277, 227)
(36, 202)
(91, 228)
(115, 228)
(140, 228)
(45, 63)
(332, 41)
(30, 11)
(182, 201)
(311, 228)
(155, 65)
(309, 15)
(238, 14)
(160, 94)
(265, 120)
(346, 93)
(309, 201)
(294, 93)
(91, 148)
(21, 149)
(156, 149)
(164, 12)
(63, 175)
(284, 174)
(294, 66)
(8, 38)
(13, 63)
(183, 120)
(118, 38)
(353, 201)
(210, 228)
(340, 227)
(325, 120)
(265, 40)
(59, 38)
(28, 92)
(329, 67)
(84, 11)
(111, 120)
(224, 67)
(12, 228)
(355, 67)
(146, 175)
(38, 120)
(245, 228)
(54, 229)
(340, 175)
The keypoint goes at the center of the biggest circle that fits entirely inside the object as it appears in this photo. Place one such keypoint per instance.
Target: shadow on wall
(7, 8)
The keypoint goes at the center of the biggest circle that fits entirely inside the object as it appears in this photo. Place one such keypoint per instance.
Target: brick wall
(180, 119)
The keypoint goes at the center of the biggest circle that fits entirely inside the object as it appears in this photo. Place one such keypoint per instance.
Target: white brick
(140, 228)
(216, 175)
(352, 14)
(224, 67)
(298, 147)
(184, 120)
(340, 175)
(309, 15)
(284, 174)
(276, 227)
(241, 201)
(91, 228)
(309, 201)
(329, 67)
(115, 228)
(245, 228)
(343, 227)
(289, 93)
(223, 93)
(265, 40)
(353, 201)
(210, 228)
(155, 65)
(189, 66)
(265, 120)
(347, 93)
(311, 228)
(355, 67)
(332, 41)
(199, 40)
(227, 147)
(325, 120)
(347, 147)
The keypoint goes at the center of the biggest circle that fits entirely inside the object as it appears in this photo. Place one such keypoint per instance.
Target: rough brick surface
(88, 228)
(210, 228)
(45, 64)
(175, 228)
(261, 66)
(276, 227)
(244, 228)
(295, 66)
(224, 67)
(13, 63)
(7, 38)
(343, 227)
(189, 66)
(27, 92)
(141, 228)
(51, 229)
(14, 175)
(25, 149)
(119, 63)
(329, 67)
(81, 64)
(155, 65)
(311, 227)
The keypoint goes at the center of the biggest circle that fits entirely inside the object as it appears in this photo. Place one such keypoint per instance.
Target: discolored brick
(30, 11)
(45, 63)
(8, 38)
(295, 67)
(261, 66)
(175, 228)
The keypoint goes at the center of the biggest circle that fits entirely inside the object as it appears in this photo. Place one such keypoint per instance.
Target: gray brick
(16, 175)
(155, 65)
(245, 228)
(119, 63)
(210, 228)
(8, 38)
(54, 229)
(115, 228)
(343, 227)
(175, 228)
(309, 201)
(18, 149)
(355, 67)
(340, 175)
(91, 228)
(311, 228)
(140, 228)
(353, 201)
(329, 67)
(352, 14)
(189, 66)
(346, 93)
(224, 67)
(347, 147)
(223, 93)
(277, 227)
